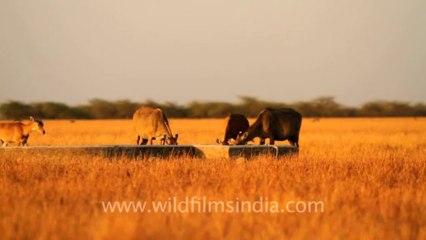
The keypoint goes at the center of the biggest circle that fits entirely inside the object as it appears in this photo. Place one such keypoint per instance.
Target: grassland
(370, 174)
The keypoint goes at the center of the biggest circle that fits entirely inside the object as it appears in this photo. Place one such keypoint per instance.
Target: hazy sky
(169, 50)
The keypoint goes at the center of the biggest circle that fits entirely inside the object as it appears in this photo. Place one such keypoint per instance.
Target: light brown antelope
(18, 132)
(151, 123)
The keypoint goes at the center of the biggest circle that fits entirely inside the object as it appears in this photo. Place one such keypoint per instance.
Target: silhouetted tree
(249, 106)
(15, 110)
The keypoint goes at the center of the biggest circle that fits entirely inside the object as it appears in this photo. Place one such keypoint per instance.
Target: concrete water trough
(158, 151)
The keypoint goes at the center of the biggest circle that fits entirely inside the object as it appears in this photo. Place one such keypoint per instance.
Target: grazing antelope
(18, 132)
(236, 123)
(275, 124)
(150, 123)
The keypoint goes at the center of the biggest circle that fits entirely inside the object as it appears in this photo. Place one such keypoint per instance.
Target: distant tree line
(249, 106)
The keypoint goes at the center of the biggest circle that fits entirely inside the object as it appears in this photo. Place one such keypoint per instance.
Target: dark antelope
(235, 124)
(276, 124)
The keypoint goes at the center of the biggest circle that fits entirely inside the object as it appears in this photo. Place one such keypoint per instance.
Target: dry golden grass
(370, 174)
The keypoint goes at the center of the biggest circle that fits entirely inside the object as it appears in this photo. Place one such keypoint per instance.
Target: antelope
(18, 132)
(150, 123)
(236, 123)
(275, 124)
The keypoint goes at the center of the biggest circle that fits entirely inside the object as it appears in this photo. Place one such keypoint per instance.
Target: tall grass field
(368, 173)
